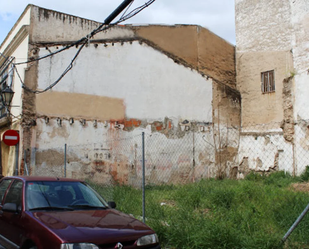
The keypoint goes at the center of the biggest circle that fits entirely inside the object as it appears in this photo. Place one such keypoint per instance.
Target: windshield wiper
(85, 206)
(51, 208)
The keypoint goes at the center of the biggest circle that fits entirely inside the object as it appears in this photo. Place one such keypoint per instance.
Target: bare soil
(302, 187)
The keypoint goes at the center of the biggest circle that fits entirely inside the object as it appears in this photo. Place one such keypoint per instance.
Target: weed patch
(252, 213)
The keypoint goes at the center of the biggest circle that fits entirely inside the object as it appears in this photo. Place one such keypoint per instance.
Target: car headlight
(147, 240)
(78, 246)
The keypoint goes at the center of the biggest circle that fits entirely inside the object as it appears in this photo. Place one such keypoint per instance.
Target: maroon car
(48, 213)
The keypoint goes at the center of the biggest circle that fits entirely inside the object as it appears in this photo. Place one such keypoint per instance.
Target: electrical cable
(136, 11)
(126, 9)
(94, 32)
(83, 42)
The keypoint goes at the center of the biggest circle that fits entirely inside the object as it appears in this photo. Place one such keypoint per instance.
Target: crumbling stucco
(287, 124)
(226, 126)
(28, 121)
(114, 154)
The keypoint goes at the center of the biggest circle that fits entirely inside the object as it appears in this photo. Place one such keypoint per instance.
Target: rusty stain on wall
(126, 124)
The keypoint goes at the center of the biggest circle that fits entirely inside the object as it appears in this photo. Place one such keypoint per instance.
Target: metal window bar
(268, 81)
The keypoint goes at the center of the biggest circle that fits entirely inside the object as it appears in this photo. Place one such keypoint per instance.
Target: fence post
(65, 160)
(298, 220)
(143, 184)
(193, 162)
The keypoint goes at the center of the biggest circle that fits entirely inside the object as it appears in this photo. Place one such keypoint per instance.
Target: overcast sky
(216, 15)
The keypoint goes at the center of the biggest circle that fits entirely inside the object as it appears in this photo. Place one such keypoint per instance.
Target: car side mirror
(10, 207)
(112, 204)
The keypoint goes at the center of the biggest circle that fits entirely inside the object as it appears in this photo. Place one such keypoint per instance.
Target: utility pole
(117, 11)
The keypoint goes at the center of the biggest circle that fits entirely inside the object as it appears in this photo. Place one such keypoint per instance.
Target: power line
(83, 42)
(91, 34)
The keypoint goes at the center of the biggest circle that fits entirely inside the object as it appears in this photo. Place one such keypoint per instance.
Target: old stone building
(174, 83)
(272, 77)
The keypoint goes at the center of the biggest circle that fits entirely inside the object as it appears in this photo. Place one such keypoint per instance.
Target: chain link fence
(168, 160)
(178, 159)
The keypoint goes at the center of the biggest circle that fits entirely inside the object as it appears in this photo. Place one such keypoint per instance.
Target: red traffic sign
(10, 137)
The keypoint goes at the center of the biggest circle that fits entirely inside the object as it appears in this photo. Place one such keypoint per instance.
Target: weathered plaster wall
(263, 25)
(226, 127)
(135, 88)
(122, 85)
(273, 35)
(265, 153)
(300, 22)
(149, 83)
(197, 46)
(257, 107)
(107, 153)
(264, 42)
(171, 102)
(50, 26)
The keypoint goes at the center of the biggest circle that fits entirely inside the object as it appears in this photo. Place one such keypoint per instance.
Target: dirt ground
(303, 187)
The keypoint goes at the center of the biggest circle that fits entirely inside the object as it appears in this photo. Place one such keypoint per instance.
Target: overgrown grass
(252, 213)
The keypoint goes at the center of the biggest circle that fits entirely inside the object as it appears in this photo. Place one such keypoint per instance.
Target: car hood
(92, 225)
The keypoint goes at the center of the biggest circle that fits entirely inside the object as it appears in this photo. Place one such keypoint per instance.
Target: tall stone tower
(272, 65)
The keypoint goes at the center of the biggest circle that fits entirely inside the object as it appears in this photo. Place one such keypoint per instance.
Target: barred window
(268, 81)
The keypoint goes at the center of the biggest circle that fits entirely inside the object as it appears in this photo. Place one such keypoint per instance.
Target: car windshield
(60, 195)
